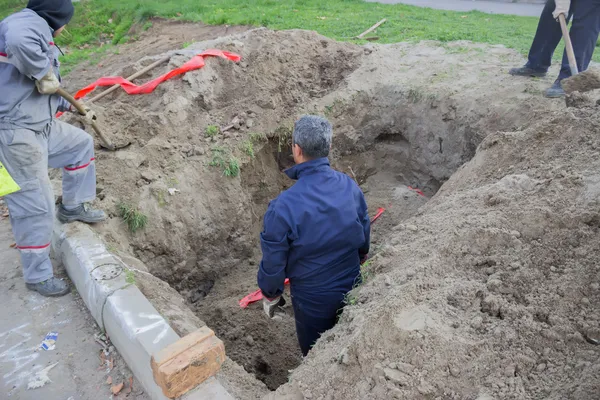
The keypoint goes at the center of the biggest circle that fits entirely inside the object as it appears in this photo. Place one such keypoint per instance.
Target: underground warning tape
(257, 294)
(130, 88)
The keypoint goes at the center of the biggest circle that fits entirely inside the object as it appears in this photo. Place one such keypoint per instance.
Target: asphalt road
(491, 7)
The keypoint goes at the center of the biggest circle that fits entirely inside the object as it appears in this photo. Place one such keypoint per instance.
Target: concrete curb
(134, 326)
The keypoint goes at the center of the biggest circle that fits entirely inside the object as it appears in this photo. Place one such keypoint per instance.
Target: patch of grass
(415, 95)
(133, 217)
(129, 276)
(338, 19)
(228, 163)
(256, 137)
(185, 46)
(161, 196)
(247, 147)
(211, 131)
(147, 25)
(232, 167)
(365, 274)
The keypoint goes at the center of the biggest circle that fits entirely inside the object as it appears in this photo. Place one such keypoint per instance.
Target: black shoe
(526, 71)
(83, 213)
(555, 91)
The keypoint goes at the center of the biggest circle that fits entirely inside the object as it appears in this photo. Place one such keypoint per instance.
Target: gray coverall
(31, 140)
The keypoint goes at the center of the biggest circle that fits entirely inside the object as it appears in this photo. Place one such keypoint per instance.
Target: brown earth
(483, 292)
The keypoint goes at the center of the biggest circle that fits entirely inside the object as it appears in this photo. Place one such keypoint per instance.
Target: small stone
(412, 228)
(249, 340)
(553, 268)
(454, 371)
(198, 150)
(541, 367)
(595, 286)
(395, 376)
(546, 351)
(249, 123)
(509, 371)
(494, 284)
(585, 301)
(405, 367)
(516, 234)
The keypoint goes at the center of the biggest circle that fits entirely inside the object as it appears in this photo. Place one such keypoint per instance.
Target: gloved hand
(364, 258)
(88, 118)
(49, 84)
(271, 305)
(562, 7)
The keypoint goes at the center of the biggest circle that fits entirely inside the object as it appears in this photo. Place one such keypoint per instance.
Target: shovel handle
(79, 107)
(568, 44)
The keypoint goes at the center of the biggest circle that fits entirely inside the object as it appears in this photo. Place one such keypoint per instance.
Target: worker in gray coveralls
(31, 139)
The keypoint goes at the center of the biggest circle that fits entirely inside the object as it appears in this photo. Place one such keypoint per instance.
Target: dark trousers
(584, 35)
(310, 328)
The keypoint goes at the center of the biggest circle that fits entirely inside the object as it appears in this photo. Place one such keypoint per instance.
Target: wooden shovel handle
(568, 44)
(106, 143)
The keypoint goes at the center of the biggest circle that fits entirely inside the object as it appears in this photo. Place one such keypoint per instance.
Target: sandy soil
(483, 292)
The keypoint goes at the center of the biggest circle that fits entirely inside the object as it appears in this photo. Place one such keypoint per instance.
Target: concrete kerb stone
(134, 326)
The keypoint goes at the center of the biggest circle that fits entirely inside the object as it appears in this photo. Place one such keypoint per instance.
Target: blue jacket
(315, 233)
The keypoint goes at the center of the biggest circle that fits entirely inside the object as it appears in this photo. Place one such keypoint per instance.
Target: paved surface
(491, 7)
(25, 319)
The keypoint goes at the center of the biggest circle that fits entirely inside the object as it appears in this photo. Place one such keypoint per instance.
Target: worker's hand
(49, 83)
(562, 7)
(89, 117)
(271, 305)
(364, 258)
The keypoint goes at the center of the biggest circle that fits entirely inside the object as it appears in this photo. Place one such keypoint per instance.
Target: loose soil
(482, 292)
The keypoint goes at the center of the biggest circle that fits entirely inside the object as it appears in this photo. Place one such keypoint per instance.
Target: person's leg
(24, 155)
(547, 38)
(310, 328)
(72, 149)
(584, 35)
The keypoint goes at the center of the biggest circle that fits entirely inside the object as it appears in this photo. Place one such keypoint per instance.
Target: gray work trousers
(26, 156)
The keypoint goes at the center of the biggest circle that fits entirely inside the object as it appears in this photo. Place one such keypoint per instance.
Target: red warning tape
(417, 191)
(257, 295)
(196, 62)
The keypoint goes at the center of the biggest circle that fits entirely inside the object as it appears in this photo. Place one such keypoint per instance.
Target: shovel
(105, 142)
(568, 44)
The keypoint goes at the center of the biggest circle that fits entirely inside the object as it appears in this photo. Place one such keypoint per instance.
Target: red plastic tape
(196, 62)
(257, 295)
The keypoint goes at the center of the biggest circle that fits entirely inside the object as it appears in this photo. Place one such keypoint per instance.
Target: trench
(407, 157)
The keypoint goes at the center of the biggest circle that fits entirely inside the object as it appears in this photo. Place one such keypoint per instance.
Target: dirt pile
(405, 116)
(489, 291)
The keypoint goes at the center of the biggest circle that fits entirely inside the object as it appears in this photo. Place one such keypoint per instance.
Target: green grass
(247, 146)
(211, 131)
(111, 21)
(129, 276)
(227, 162)
(133, 217)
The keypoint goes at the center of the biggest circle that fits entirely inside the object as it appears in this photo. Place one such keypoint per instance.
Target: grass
(111, 21)
(129, 276)
(211, 131)
(247, 147)
(228, 163)
(133, 217)
(365, 274)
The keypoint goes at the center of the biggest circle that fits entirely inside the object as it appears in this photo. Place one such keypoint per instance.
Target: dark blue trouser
(309, 328)
(584, 35)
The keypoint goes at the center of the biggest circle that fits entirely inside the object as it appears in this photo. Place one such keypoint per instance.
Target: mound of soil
(473, 293)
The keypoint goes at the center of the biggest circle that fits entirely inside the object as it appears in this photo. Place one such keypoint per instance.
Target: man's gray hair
(313, 134)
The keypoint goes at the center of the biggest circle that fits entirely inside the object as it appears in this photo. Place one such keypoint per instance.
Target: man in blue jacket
(316, 234)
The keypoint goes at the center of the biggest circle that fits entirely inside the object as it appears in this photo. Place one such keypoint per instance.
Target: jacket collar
(307, 168)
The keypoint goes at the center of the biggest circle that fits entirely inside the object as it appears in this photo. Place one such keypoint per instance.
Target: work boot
(555, 91)
(83, 213)
(52, 287)
(526, 71)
